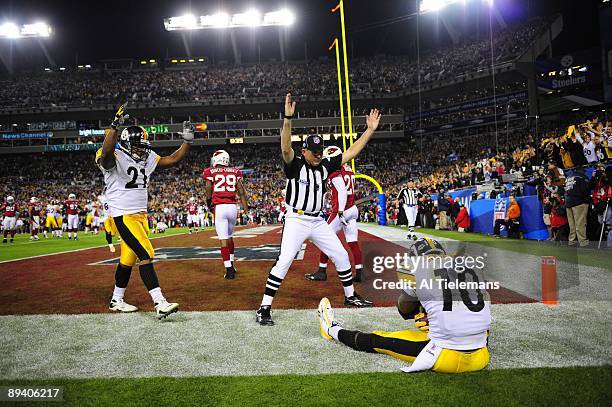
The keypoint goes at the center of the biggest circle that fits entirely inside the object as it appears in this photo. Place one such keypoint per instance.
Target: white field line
(83, 249)
(224, 343)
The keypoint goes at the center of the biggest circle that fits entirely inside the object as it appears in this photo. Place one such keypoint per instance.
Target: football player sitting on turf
(453, 329)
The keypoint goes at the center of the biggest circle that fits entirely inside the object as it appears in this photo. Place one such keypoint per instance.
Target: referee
(306, 176)
(409, 199)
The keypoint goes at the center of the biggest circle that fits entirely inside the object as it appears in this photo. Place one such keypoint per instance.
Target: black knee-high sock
(109, 238)
(122, 275)
(357, 340)
(148, 275)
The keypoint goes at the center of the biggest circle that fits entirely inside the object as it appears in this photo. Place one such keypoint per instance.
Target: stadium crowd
(437, 162)
(311, 78)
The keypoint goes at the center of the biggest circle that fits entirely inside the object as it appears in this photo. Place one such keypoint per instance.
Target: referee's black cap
(313, 143)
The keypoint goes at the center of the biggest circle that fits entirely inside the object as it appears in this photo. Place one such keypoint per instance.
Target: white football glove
(188, 132)
(341, 216)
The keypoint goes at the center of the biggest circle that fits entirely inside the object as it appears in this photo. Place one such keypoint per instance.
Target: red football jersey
(36, 208)
(348, 176)
(192, 208)
(224, 180)
(72, 207)
(9, 209)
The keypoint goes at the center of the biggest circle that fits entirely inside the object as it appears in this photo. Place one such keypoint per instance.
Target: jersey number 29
(225, 183)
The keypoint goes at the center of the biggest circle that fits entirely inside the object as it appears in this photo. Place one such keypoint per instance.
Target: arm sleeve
(152, 161)
(207, 175)
(341, 188)
(292, 169)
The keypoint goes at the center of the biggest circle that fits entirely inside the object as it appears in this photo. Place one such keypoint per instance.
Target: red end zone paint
(68, 284)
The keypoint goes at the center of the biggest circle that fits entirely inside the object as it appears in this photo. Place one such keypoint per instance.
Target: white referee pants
(297, 229)
(411, 214)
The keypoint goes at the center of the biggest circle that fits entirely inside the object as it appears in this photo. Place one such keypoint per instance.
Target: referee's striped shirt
(409, 196)
(306, 184)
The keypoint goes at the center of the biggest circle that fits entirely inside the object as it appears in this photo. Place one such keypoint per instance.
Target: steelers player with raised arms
(127, 164)
(453, 321)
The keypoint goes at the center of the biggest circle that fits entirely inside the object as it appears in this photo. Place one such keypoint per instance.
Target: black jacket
(577, 190)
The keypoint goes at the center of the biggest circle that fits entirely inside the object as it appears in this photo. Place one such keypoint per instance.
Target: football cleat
(319, 275)
(356, 301)
(165, 308)
(326, 318)
(121, 306)
(230, 273)
(4, 240)
(263, 316)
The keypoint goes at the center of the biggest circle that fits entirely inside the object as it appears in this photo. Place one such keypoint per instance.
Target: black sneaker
(359, 276)
(4, 241)
(320, 275)
(356, 301)
(263, 317)
(12, 240)
(230, 273)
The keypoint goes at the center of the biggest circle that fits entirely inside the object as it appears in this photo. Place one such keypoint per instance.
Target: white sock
(69, 235)
(118, 293)
(358, 266)
(267, 300)
(227, 263)
(75, 235)
(333, 331)
(157, 295)
(232, 257)
(349, 291)
(323, 265)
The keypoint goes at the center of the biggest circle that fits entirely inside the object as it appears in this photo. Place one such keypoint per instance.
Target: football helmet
(331, 151)
(10, 199)
(220, 157)
(72, 197)
(134, 141)
(425, 246)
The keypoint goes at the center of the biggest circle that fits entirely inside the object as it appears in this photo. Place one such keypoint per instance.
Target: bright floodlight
(251, 18)
(281, 17)
(185, 22)
(219, 20)
(11, 30)
(435, 5)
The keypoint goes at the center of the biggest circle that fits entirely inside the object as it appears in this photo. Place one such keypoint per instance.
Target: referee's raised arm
(286, 148)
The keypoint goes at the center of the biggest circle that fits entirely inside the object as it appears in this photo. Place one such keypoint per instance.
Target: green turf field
(601, 258)
(506, 387)
(23, 247)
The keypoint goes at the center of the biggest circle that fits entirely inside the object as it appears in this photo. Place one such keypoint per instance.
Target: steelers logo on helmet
(426, 246)
(331, 151)
(134, 141)
(220, 157)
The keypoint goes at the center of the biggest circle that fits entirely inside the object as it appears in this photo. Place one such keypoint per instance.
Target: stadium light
(219, 20)
(250, 18)
(13, 31)
(281, 17)
(437, 5)
(9, 30)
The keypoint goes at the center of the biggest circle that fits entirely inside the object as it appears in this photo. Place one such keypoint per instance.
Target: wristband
(288, 117)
